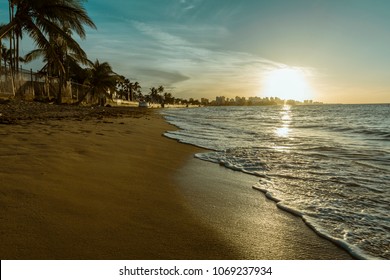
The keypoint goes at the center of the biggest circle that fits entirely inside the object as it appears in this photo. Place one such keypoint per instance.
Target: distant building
(220, 100)
(240, 101)
(254, 100)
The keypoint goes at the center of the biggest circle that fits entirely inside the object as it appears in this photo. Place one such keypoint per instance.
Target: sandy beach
(109, 185)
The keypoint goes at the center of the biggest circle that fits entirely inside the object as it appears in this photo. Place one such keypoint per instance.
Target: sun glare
(287, 83)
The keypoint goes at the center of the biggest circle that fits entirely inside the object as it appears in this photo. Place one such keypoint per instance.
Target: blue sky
(205, 48)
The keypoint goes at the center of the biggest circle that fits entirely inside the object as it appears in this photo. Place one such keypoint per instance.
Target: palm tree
(43, 19)
(160, 89)
(137, 89)
(59, 62)
(5, 52)
(130, 96)
(153, 95)
(102, 81)
(133, 87)
(121, 86)
(6, 57)
(168, 98)
(39, 18)
(126, 88)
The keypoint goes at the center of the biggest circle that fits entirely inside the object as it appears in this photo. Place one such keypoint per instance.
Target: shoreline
(247, 219)
(107, 188)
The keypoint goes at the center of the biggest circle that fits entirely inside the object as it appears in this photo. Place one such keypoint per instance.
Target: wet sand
(98, 187)
(246, 219)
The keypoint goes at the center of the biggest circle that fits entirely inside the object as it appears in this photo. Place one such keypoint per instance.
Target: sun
(287, 83)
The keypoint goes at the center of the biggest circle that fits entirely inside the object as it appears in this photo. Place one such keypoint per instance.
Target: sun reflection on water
(284, 130)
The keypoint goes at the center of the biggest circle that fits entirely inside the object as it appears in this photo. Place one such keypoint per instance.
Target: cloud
(162, 37)
(190, 3)
(166, 76)
(189, 7)
(186, 58)
(207, 71)
(184, 8)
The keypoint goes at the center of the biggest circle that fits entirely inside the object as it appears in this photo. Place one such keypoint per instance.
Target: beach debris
(16, 111)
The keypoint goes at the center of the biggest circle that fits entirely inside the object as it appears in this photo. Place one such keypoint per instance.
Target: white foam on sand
(224, 200)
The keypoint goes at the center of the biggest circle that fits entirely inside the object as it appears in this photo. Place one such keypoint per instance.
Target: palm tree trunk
(17, 54)
(11, 66)
(11, 37)
(1, 55)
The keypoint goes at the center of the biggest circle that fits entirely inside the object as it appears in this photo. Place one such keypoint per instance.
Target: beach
(104, 183)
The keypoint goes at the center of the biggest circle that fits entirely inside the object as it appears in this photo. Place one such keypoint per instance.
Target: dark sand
(81, 185)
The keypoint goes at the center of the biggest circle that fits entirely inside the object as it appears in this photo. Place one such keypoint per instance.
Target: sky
(340, 49)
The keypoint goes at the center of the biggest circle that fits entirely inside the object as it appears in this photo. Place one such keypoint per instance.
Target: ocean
(329, 164)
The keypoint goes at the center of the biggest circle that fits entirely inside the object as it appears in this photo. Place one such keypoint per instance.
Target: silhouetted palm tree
(168, 98)
(38, 18)
(5, 52)
(102, 81)
(130, 93)
(160, 96)
(137, 89)
(153, 94)
(121, 86)
(43, 19)
(5, 57)
(126, 89)
(58, 61)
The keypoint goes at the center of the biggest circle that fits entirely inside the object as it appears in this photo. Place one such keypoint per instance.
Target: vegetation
(102, 81)
(52, 26)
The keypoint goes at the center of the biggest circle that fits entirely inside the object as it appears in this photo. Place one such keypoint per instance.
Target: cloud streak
(208, 72)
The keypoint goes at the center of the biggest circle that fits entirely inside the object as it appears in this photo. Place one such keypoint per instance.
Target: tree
(160, 89)
(127, 89)
(121, 86)
(38, 18)
(168, 98)
(137, 89)
(59, 62)
(43, 20)
(130, 92)
(6, 57)
(102, 81)
(153, 95)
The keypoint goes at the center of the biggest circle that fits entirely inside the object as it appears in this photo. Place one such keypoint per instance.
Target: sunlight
(284, 130)
(287, 83)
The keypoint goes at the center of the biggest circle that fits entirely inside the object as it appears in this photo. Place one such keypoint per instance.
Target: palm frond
(35, 54)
